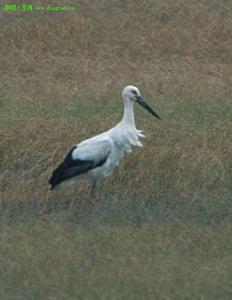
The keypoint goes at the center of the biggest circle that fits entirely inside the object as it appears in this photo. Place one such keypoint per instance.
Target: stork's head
(132, 93)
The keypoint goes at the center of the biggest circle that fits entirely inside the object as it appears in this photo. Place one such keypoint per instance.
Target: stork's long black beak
(145, 105)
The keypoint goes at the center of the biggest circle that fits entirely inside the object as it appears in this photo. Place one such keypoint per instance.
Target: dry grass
(162, 229)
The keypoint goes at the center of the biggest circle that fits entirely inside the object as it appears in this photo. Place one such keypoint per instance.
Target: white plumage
(98, 156)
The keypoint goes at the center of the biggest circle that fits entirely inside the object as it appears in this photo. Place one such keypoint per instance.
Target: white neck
(128, 115)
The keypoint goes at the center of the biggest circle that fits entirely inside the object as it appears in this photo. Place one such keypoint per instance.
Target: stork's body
(98, 156)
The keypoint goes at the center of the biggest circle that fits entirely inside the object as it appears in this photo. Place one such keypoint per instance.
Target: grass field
(162, 229)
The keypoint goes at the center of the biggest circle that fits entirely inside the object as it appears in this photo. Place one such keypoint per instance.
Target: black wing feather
(72, 167)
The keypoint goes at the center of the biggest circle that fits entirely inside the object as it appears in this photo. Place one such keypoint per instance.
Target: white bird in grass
(98, 156)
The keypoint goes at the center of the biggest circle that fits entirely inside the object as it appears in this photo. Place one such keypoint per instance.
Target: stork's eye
(134, 92)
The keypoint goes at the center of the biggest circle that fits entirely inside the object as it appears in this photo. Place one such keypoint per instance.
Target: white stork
(98, 156)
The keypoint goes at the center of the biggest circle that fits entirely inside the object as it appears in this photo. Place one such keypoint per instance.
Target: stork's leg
(93, 194)
(93, 188)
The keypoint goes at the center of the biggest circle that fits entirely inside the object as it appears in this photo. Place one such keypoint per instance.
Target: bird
(98, 156)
